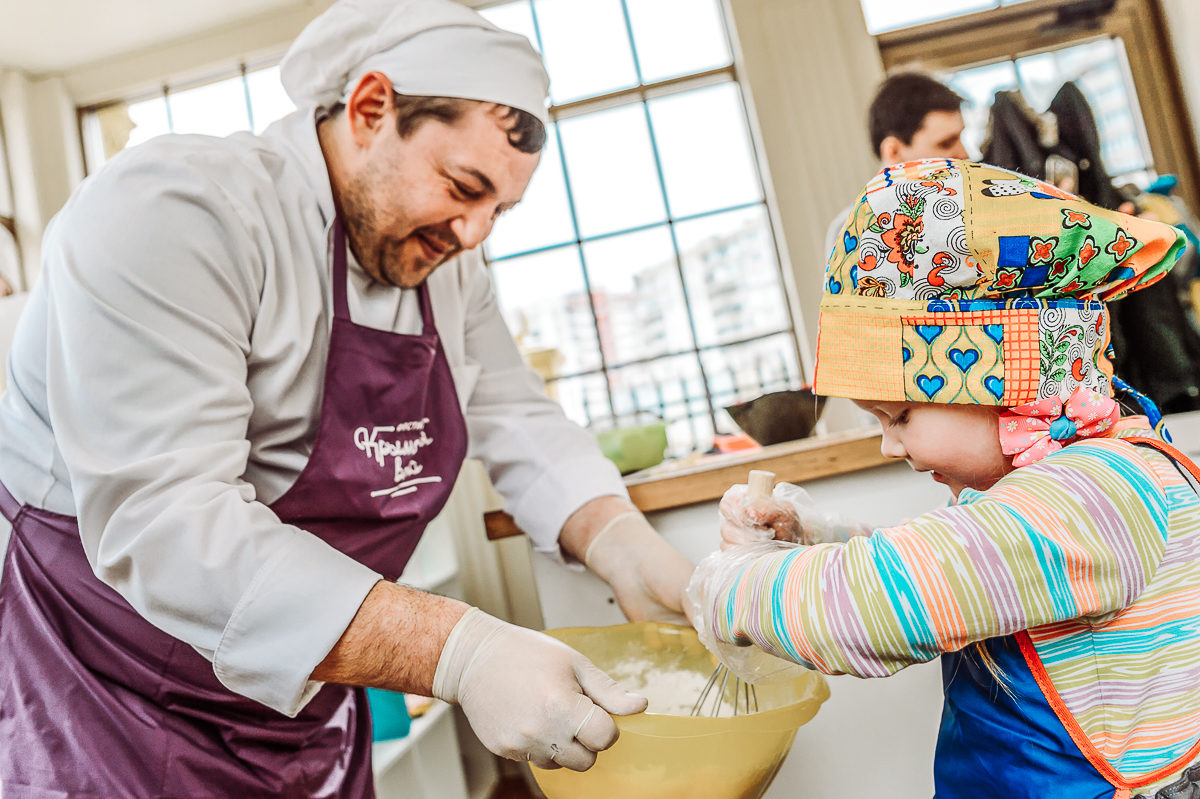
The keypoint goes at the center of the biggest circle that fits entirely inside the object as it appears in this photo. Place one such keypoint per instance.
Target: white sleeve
(154, 275)
(545, 465)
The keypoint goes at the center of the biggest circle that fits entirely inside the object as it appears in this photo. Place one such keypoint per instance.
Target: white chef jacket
(166, 381)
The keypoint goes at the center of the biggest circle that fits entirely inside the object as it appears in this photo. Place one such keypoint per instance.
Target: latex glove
(789, 514)
(647, 575)
(712, 578)
(528, 696)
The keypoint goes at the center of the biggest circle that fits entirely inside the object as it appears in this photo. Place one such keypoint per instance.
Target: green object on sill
(389, 714)
(634, 448)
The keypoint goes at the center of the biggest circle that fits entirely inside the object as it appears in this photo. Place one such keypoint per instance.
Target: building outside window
(641, 272)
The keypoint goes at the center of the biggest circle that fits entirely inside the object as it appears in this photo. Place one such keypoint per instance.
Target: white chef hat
(427, 48)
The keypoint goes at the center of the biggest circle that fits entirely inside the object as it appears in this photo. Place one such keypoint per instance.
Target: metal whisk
(744, 697)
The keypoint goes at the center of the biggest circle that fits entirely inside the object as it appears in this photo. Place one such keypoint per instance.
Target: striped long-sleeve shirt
(1094, 550)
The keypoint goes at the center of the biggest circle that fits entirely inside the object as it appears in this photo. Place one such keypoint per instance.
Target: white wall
(43, 156)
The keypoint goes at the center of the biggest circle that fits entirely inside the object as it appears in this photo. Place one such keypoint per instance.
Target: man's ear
(368, 107)
(890, 150)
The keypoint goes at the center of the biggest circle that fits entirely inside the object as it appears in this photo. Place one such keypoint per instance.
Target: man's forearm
(583, 525)
(394, 641)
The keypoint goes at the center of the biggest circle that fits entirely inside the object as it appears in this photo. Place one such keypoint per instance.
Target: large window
(1116, 51)
(640, 274)
(889, 15)
(10, 256)
(248, 100)
(1101, 70)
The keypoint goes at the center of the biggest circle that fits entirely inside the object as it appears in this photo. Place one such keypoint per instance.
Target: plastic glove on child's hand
(528, 696)
(710, 583)
(787, 515)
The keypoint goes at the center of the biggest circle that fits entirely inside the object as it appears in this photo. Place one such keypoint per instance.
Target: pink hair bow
(1033, 431)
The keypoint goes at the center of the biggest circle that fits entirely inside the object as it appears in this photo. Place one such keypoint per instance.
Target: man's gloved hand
(528, 696)
(647, 575)
(787, 515)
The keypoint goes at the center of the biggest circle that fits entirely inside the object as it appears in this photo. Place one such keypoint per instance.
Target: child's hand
(788, 515)
(747, 521)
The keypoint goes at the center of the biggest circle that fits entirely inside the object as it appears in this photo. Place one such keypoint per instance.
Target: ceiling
(49, 36)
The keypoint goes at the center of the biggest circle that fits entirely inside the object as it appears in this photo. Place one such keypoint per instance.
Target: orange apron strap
(1171, 452)
(1101, 764)
(1033, 660)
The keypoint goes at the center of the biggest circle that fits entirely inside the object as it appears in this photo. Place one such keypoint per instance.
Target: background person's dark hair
(901, 103)
(527, 133)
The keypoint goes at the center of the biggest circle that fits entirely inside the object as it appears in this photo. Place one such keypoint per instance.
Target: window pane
(546, 306)
(543, 217)
(216, 109)
(639, 299)
(978, 86)
(1100, 70)
(887, 15)
(268, 100)
(515, 17)
(705, 150)
(672, 389)
(677, 37)
(586, 47)
(745, 371)
(149, 120)
(732, 273)
(610, 163)
(584, 399)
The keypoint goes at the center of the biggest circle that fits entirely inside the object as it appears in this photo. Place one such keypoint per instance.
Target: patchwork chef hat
(427, 48)
(958, 282)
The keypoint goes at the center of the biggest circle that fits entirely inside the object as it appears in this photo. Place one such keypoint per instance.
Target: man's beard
(361, 231)
(381, 256)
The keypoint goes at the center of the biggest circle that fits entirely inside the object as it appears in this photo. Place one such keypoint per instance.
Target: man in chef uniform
(245, 382)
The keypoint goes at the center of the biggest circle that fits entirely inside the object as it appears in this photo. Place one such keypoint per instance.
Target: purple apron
(96, 702)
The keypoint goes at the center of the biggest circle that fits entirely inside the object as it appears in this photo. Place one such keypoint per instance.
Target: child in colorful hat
(965, 308)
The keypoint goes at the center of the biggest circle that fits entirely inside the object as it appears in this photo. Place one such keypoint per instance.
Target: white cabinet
(426, 763)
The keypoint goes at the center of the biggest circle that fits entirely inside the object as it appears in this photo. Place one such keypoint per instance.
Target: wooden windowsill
(678, 484)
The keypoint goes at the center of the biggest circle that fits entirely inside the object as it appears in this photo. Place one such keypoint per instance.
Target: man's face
(417, 202)
(940, 136)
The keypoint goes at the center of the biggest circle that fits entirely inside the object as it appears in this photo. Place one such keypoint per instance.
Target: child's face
(958, 444)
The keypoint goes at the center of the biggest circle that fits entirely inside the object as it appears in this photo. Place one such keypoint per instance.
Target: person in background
(1059, 588)
(912, 116)
(244, 384)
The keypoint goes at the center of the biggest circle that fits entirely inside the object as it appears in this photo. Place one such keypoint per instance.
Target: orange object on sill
(735, 442)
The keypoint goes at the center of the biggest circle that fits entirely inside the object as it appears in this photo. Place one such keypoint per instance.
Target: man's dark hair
(901, 103)
(526, 132)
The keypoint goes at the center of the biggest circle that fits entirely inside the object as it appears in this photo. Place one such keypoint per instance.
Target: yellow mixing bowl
(664, 756)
